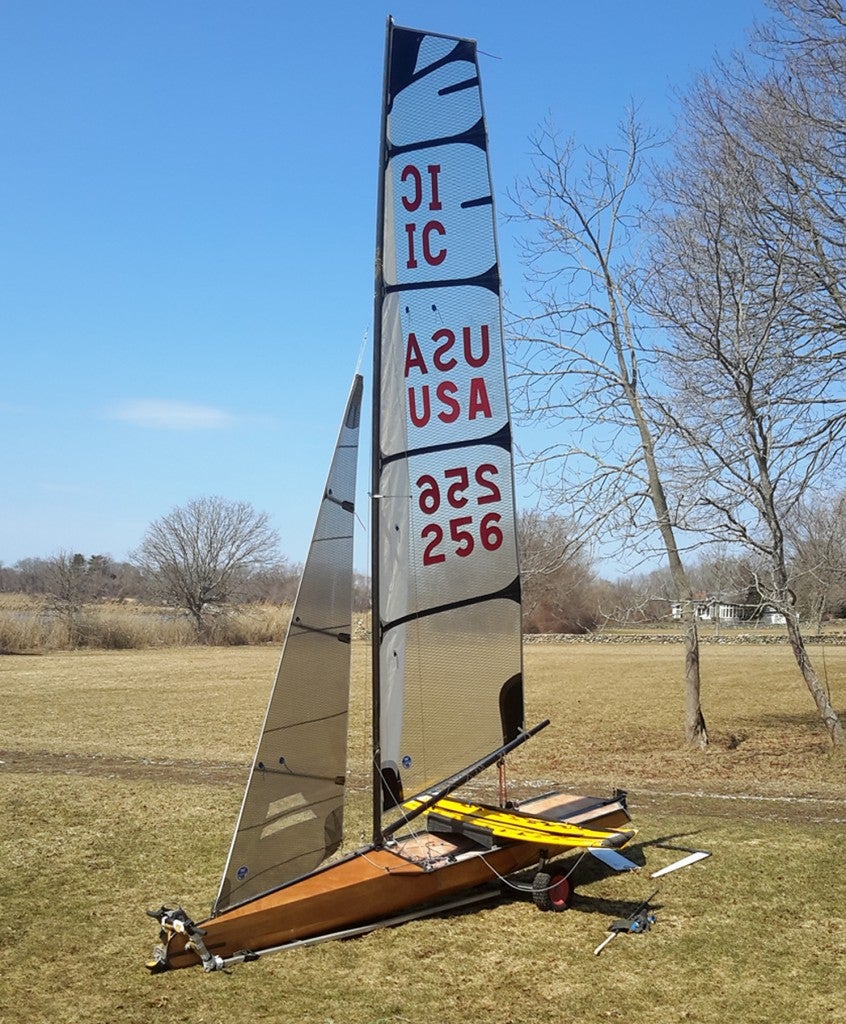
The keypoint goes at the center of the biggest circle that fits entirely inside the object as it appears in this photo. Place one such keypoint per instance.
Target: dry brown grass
(33, 625)
(617, 716)
(757, 933)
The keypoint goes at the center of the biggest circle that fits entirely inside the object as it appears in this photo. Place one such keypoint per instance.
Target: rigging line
(515, 885)
(502, 779)
(404, 818)
(361, 351)
(419, 659)
(364, 734)
(372, 863)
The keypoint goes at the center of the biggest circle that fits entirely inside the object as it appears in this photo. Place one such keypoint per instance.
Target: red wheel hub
(559, 891)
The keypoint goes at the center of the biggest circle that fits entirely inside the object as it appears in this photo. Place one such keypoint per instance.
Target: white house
(730, 611)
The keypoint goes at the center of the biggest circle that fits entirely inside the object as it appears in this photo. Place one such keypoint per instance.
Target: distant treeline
(102, 578)
(73, 596)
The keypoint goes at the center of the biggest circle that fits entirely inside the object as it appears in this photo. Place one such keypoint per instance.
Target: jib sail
(292, 815)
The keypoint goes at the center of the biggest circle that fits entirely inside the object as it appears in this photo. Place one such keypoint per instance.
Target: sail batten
(487, 279)
(292, 815)
(511, 592)
(449, 673)
(501, 438)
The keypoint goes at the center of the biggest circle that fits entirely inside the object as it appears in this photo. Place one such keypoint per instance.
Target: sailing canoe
(373, 884)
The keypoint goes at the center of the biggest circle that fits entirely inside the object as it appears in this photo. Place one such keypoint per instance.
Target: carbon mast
(376, 461)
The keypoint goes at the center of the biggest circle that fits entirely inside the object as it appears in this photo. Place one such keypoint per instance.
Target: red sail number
(464, 531)
(429, 498)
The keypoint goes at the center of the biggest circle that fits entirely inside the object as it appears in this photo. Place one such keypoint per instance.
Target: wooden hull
(374, 884)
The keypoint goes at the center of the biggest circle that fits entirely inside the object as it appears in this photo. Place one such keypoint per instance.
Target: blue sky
(187, 229)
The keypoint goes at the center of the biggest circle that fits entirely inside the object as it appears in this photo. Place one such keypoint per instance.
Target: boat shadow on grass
(587, 871)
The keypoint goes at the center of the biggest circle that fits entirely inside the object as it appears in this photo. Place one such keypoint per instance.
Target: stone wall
(829, 639)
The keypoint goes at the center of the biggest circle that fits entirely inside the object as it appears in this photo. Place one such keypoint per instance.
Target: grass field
(122, 774)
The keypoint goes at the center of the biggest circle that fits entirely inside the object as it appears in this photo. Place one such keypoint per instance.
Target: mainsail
(445, 562)
(292, 815)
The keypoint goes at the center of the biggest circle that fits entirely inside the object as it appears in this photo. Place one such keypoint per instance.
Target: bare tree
(201, 554)
(817, 541)
(717, 571)
(31, 576)
(96, 577)
(758, 408)
(557, 574)
(792, 116)
(67, 585)
(585, 366)
(638, 599)
(784, 114)
(275, 584)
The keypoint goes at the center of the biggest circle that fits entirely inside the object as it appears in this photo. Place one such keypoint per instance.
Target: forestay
(448, 582)
(292, 815)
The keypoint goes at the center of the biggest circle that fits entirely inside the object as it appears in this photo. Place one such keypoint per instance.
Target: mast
(376, 461)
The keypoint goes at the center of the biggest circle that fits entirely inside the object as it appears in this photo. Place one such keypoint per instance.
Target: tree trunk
(827, 713)
(695, 732)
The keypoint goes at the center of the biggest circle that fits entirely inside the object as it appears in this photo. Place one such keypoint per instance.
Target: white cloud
(167, 415)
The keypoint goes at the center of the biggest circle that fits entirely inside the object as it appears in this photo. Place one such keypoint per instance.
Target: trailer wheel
(551, 891)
